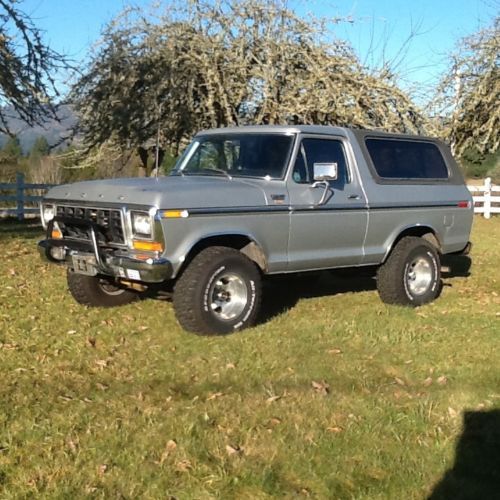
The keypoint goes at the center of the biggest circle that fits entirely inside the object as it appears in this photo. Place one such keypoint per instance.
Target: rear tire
(411, 275)
(218, 293)
(98, 291)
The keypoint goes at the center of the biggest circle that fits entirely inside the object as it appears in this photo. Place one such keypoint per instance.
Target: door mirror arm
(326, 186)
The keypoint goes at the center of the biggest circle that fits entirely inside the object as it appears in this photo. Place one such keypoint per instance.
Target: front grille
(109, 222)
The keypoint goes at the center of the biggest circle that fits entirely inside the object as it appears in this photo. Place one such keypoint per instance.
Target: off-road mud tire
(97, 291)
(196, 287)
(393, 282)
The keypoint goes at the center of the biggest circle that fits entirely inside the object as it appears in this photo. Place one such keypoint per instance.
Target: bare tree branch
(209, 64)
(27, 68)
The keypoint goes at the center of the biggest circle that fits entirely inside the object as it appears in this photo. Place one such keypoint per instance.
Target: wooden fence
(23, 195)
(485, 200)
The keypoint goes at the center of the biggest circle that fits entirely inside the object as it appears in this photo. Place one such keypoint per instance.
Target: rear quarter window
(403, 159)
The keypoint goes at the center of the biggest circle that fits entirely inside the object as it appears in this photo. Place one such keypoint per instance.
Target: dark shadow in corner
(283, 292)
(475, 475)
(459, 266)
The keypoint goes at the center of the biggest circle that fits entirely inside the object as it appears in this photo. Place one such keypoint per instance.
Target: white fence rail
(486, 199)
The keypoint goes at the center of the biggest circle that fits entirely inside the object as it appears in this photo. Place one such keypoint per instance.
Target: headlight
(48, 212)
(141, 224)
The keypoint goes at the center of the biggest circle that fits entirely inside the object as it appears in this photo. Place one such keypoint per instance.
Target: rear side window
(400, 159)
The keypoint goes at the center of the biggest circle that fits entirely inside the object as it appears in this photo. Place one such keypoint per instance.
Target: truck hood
(178, 192)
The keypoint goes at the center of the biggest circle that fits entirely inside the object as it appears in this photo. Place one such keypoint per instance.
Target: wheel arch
(422, 231)
(245, 243)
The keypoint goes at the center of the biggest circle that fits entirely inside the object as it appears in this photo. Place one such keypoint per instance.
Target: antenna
(157, 149)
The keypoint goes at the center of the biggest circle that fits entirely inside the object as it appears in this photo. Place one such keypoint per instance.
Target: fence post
(20, 195)
(487, 198)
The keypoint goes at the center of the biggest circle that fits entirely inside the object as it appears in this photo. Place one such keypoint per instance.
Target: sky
(374, 27)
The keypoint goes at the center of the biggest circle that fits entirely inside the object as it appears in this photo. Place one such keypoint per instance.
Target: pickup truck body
(284, 220)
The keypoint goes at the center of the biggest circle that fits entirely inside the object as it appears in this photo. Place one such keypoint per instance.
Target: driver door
(327, 220)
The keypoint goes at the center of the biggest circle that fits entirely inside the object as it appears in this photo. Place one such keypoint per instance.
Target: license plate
(84, 264)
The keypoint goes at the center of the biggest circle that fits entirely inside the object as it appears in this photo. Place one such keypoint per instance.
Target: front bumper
(120, 264)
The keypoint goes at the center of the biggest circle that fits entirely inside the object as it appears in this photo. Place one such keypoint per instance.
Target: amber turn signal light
(56, 234)
(175, 214)
(148, 246)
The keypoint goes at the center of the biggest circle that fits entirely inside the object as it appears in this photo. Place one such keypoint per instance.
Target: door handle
(353, 197)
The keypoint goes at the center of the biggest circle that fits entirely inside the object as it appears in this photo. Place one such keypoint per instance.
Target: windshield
(237, 155)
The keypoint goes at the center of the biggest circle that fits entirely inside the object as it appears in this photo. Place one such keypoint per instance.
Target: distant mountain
(54, 131)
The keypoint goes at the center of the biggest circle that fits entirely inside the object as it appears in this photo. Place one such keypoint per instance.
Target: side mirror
(325, 171)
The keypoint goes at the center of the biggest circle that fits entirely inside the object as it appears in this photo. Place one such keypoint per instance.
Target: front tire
(97, 291)
(218, 293)
(411, 275)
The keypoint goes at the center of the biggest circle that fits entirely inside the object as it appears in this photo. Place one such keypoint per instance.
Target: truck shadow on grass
(458, 266)
(282, 293)
(476, 471)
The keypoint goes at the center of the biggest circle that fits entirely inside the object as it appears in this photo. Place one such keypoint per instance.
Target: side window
(320, 151)
(401, 159)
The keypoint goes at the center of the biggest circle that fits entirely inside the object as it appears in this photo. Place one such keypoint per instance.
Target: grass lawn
(336, 395)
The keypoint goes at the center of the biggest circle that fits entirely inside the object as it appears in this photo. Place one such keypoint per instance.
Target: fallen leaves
(183, 465)
(73, 445)
(170, 448)
(322, 388)
(334, 351)
(171, 445)
(233, 450)
(215, 395)
(9, 346)
(101, 363)
(335, 429)
(441, 380)
(272, 399)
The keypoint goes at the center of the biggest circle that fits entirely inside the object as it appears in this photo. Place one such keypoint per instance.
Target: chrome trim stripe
(314, 208)
(389, 206)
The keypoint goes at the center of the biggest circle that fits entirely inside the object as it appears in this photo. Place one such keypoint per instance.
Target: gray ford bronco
(247, 202)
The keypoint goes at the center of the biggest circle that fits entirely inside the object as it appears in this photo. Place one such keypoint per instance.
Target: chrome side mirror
(325, 171)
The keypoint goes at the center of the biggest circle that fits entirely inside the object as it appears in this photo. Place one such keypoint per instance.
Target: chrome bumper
(152, 270)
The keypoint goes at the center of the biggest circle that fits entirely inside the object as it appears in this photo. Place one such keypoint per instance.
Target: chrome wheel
(419, 276)
(228, 296)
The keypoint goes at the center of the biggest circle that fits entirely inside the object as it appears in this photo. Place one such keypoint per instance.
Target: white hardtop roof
(279, 129)
(311, 129)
